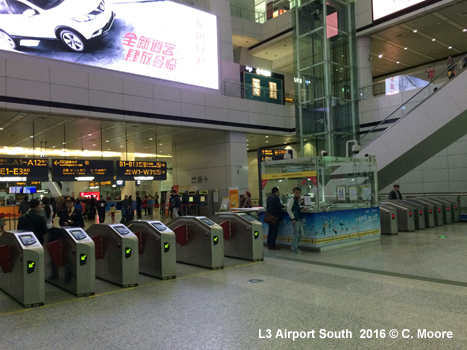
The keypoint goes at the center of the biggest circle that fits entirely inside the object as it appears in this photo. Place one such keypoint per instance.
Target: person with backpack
(175, 203)
(33, 221)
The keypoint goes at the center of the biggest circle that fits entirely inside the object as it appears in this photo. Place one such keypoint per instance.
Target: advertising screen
(159, 39)
(383, 8)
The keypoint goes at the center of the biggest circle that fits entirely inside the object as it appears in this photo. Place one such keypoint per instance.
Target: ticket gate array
(438, 209)
(418, 214)
(405, 217)
(429, 211)
(199, 241)
(445, 210)
(243, 235)
(22, 267)
(116, 252)
(451, 207)
(70, 260)
(156, 247)
(388, 217)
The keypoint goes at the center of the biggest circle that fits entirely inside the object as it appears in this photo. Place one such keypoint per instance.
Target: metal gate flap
(98, 247)
(226, 227)
(5, 263)
(55, 251)
(181, 234)
(139, 234)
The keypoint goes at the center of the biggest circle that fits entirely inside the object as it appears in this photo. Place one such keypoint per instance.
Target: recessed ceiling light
(405, 48)
(433, 39)
(108, 149)
(93, 144)
(415, 30)
(266, 136)
(267, 141)
(1, 129)
(31, 136)
(150, 138)
(465, 30)
(397, 62)
(121, 146)
(89, 134)
(106, 140)
(160, 144)
(380, 56)
(450, 47)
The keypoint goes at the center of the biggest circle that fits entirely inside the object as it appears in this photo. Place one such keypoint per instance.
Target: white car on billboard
(73, 22)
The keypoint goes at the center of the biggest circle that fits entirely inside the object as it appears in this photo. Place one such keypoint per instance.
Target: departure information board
(141, 170)
(74, 169)
(24, 169)
(275, 154)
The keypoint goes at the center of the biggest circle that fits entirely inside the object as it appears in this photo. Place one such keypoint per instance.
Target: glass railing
(439, 81)
(251, 15)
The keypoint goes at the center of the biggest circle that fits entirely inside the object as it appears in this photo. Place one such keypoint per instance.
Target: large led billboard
(383, 8)
(159, 39)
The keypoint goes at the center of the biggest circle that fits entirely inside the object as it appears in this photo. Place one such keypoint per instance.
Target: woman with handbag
(273, 214)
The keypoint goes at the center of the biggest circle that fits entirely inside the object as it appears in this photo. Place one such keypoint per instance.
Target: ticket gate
(388, 217)
(430, 210)
(116, 251)
(445, 209)
(199, 241)
(451, 206)
(243, 235)
(437, 211)
(405, 217)
(70, 260)
(22, 267)
(419, 213)
(157, 248)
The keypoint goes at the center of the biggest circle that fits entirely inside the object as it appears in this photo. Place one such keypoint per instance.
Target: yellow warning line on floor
(127, 289)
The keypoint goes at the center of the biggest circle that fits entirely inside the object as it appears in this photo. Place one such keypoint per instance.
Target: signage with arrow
(70, 169)
(145, 169)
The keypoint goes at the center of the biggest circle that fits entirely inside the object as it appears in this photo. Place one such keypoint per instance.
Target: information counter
(338, 199)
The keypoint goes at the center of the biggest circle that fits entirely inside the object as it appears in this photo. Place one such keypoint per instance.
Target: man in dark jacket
(23, 206)
(33, 221)
(71, 216)
(274, 207)
(395, 194)
(101, 207)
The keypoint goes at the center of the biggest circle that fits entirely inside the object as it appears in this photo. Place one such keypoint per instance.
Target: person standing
(395, 194)
(33, 221)
(123, 207)
(70, 216)
(92, 208)
(130, 211)
(177, 204)
(295, 215)
(101, 207)
(246, 200)
(47, 212)
(451, 66)
(150, 206)
(139, 203)
(112, 213)
(274, 207)
(23, 206)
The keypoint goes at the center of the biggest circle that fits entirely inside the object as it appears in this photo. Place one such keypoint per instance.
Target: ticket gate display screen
(207, 221)
(27, 240)
(121, 230)
(159, 226)
(247, 217)
(78, 234)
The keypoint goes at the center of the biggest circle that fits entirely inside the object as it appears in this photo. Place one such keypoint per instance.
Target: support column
(365, 77)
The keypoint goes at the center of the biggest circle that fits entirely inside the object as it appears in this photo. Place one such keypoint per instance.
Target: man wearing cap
(71, 216)
(395, 194)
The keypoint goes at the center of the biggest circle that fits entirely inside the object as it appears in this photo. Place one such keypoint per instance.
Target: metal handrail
(391, 115)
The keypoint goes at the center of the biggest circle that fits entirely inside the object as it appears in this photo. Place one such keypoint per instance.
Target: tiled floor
(408, 283)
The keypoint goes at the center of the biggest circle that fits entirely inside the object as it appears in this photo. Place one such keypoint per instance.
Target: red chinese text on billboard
(149, 51)
(199, 42)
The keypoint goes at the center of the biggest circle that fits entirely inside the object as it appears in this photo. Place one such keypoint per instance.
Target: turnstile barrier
(405, 217)
(22, 267)
(70, 260)
(157, 248)
(388, 217)
(116, 252)
(243, 235)
(199, 241)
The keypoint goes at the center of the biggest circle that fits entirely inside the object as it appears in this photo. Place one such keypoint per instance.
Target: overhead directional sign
(141, 170)
(79, 169)
(24, 169)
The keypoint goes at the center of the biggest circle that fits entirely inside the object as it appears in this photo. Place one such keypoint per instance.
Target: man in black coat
(274, 207)
(71, 216)
(33, 221)
(395, 194)
(101, 207)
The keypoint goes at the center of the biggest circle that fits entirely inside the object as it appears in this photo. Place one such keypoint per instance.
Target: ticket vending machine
(191, 199)
(388, 216)
(22, 267)
(243, 235)
(405, 216)
(199, 241)
(429, 211)
(116, 249)
(157, 248)
(70, 260)
(205, 204)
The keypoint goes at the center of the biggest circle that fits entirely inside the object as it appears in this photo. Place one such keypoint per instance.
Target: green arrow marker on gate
(215, 239)
(83, 257)
(31, 265)
(128, 251)
(166, 245)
